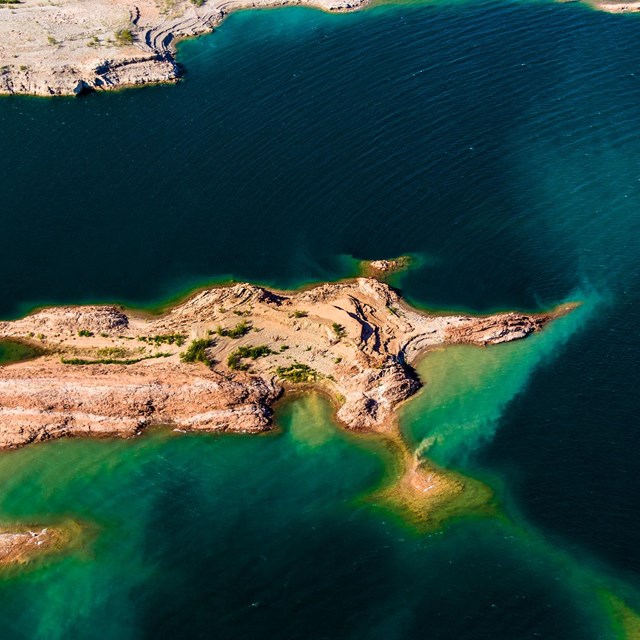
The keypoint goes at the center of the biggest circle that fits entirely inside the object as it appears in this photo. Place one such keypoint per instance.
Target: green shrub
(85, 333)
(297, 372)
(124, 37)
(300, 314)
(238, 331)
(339, 330)
(234, 360)
(197, 352)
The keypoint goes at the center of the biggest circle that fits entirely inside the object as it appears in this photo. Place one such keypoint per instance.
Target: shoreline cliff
(77, 46)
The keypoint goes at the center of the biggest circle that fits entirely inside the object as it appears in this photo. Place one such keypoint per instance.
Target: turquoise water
(244, 536)
(497, 141)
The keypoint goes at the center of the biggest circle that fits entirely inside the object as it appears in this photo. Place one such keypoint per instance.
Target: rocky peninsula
(73, 46)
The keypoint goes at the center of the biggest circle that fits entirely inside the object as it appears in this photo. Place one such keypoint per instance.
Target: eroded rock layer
(105, 372)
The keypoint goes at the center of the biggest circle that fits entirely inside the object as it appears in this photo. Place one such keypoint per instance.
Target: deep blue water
(499, 142)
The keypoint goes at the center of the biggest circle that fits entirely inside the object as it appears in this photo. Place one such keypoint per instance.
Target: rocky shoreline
(616, 6)
(74, 46)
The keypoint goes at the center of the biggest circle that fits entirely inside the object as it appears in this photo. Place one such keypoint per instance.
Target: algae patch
(12, 351)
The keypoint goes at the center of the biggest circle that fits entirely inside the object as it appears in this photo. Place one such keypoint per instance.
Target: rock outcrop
(19, 547)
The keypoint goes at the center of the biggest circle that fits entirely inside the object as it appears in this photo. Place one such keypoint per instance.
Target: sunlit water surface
(496, 141)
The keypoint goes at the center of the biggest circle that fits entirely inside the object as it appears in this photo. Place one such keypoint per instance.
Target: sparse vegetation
(283, 347)
(337, 360)
(124, 37)
(198, 3)
(234, 360)
(238, 331)
(297, 373)
(80, 361)
(51, 40)
(15, 351)
(300, 314)
(197, 352)
(339, 330)
(166, 338)
(85, 333)
(113, 352)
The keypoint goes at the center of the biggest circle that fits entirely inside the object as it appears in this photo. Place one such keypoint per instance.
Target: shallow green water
(12, 351)
(496, 141)
(253, 527)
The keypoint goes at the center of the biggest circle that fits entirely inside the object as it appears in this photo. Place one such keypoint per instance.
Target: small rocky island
(73, 46)
(16, 546)
(219, 361)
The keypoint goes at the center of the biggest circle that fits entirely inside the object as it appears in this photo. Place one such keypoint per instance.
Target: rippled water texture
(496, 141)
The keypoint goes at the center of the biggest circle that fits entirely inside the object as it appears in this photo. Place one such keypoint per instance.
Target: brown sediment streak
(424, 494)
